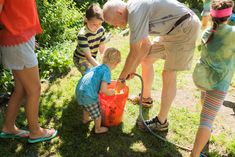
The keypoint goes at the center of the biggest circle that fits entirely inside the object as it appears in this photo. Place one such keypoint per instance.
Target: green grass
(59, 109)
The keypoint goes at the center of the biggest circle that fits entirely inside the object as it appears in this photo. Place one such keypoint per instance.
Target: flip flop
(21, 134)
(44, 138)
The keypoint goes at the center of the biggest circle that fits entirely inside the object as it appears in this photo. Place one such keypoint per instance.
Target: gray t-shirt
(153, 17)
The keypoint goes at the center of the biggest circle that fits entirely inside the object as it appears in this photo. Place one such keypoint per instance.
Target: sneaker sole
(143, 128)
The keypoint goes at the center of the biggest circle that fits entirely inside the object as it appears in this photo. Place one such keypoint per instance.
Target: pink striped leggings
(212, 103)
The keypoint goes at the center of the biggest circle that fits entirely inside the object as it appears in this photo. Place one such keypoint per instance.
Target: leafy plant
(6, 80)
(56, 60)
(60, 20)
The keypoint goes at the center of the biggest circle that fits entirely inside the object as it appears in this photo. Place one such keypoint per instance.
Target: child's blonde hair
(111, 55)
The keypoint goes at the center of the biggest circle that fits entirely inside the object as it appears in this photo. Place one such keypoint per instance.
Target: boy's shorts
(82, 65)
(94, 110)
(20, 56)
(178, 46)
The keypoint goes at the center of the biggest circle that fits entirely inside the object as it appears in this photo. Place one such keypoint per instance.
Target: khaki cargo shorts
(177, 48)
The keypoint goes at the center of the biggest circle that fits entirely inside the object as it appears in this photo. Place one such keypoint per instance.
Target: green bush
(196, 4)
(60, 20)
(6, 80)
(56, 60)
(82, 5)
(193, 4)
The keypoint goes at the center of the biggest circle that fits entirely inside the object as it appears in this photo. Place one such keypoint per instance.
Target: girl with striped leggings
(215, 70)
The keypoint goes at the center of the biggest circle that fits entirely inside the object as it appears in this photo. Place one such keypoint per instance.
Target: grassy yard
(58, 109)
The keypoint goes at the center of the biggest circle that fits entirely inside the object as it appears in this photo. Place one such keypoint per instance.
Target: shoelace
(151, 121)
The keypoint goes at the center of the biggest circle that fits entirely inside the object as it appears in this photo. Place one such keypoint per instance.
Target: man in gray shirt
(177, 28)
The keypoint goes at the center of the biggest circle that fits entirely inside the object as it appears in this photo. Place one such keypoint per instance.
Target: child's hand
(111, 92)
(119, 92)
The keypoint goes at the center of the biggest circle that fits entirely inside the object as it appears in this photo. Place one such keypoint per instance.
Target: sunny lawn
(58, 109)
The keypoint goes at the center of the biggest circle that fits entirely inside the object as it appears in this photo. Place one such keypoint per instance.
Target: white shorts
(20, 56)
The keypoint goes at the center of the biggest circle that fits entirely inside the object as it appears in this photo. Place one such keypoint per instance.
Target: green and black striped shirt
(89, 42)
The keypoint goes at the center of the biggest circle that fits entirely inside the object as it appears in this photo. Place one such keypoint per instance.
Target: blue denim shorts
(19, 56)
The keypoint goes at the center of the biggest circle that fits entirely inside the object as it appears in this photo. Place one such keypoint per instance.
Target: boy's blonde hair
(111, 55)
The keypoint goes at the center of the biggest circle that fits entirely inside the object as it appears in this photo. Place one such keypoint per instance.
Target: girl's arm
(91, 59)
(104, 89)
(101, 48)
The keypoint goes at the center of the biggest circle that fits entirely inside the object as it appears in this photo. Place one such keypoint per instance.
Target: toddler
(96, 80)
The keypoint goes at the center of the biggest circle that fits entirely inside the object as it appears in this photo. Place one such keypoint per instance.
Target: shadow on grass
(79, 139)
(76, 139)
(20, 147)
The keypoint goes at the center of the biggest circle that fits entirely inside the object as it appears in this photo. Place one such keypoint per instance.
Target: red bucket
(112, 107)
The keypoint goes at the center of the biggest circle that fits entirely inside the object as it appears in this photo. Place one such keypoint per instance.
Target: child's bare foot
(101, 130)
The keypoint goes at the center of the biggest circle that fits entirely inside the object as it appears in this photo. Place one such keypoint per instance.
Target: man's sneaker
(146, 102)
(154, 124)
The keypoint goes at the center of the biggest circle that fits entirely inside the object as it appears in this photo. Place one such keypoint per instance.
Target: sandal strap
(148, 100)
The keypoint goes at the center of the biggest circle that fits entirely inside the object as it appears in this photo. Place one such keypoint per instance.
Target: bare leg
(212, 103)
(86, 117)
(13, 107)
(202, 137)
(29, 78)
(204, 21)
(148, 76)
(98, 128)
(168, 94)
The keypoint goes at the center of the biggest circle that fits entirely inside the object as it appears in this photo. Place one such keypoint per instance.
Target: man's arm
(137, 52)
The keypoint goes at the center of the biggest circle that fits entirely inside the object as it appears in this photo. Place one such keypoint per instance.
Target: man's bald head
(115, 11)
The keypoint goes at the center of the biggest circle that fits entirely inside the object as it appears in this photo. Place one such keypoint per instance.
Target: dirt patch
(188, 96)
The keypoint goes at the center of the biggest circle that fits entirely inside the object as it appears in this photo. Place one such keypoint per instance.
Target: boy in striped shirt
(91, 39)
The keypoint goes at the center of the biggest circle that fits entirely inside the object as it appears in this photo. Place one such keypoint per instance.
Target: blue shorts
(20, 56)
